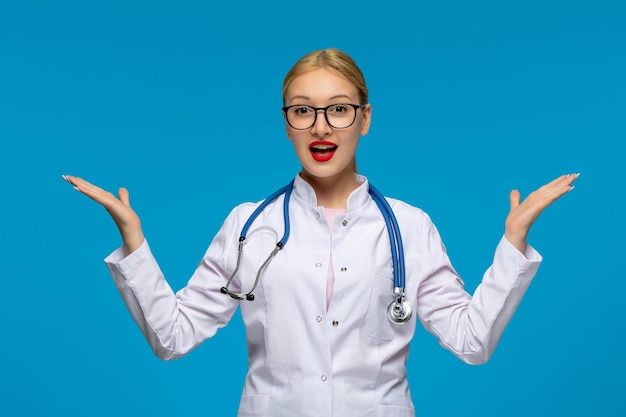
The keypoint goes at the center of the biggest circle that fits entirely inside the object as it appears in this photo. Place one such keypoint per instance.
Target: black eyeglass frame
(316, 110)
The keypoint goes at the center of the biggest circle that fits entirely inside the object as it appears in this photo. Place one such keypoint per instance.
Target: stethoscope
(399, 311)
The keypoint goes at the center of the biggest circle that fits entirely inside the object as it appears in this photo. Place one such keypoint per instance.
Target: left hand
(522, 215)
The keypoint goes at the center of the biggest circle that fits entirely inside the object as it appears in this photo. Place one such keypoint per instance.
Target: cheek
(355, 135)
(295, 135)
(288, 131)
(299, 142)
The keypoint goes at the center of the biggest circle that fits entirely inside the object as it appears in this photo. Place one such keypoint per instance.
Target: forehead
(320, 84)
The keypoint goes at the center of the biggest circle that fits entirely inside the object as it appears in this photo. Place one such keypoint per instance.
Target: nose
(321, 126)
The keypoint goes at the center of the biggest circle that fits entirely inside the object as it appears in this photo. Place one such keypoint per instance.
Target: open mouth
(322, 151)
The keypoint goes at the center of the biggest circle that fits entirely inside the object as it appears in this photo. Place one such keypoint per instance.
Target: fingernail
(571, 188)
(76, 188)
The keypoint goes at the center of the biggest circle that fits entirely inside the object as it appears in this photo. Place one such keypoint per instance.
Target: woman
(319, 339)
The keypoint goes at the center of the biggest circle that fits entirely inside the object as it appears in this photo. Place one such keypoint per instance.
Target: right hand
(119, 208)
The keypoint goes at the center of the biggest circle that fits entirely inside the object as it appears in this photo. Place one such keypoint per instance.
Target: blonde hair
(337, 60)
(329, 58)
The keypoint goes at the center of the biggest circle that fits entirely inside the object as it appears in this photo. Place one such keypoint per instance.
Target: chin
(324, 172)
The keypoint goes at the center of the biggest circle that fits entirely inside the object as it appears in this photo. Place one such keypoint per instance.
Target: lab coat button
(318, 318)
(317, 215)
(318, 264)
(324, 378)
(345, 222)
(335, 323)
(344, 269)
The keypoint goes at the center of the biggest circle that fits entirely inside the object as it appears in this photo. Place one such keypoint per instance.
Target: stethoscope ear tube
(249, 296)
(242, 237)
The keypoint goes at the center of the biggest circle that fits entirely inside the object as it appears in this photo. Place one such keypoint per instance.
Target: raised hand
(119, 208)
(522, 215)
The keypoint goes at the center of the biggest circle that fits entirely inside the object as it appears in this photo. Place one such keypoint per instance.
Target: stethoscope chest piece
(399, 311)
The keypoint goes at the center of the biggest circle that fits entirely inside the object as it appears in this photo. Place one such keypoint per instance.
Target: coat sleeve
(470, 326)
(176, 323)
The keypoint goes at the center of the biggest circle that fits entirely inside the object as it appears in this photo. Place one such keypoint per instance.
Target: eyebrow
(331, 98)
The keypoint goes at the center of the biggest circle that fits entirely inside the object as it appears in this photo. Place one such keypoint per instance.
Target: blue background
(180, 102)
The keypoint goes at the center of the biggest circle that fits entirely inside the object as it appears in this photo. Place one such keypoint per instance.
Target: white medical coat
(305, 360)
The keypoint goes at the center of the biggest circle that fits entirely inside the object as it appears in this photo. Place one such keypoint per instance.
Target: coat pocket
(254, 406)
(395, 411)
(378, 324)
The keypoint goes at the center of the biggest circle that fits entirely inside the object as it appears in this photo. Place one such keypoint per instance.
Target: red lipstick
(322, 151)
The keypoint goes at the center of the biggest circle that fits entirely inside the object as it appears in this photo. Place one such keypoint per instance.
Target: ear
(366, 119)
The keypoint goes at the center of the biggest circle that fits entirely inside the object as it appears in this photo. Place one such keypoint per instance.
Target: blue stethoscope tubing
(399, 311)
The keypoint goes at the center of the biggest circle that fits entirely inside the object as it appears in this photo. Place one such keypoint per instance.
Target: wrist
(132, 240)
(517, 240)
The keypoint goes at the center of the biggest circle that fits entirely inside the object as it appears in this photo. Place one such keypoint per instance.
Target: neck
(332, 192)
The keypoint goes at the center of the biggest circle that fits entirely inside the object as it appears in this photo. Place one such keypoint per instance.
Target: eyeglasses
(338, 116)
